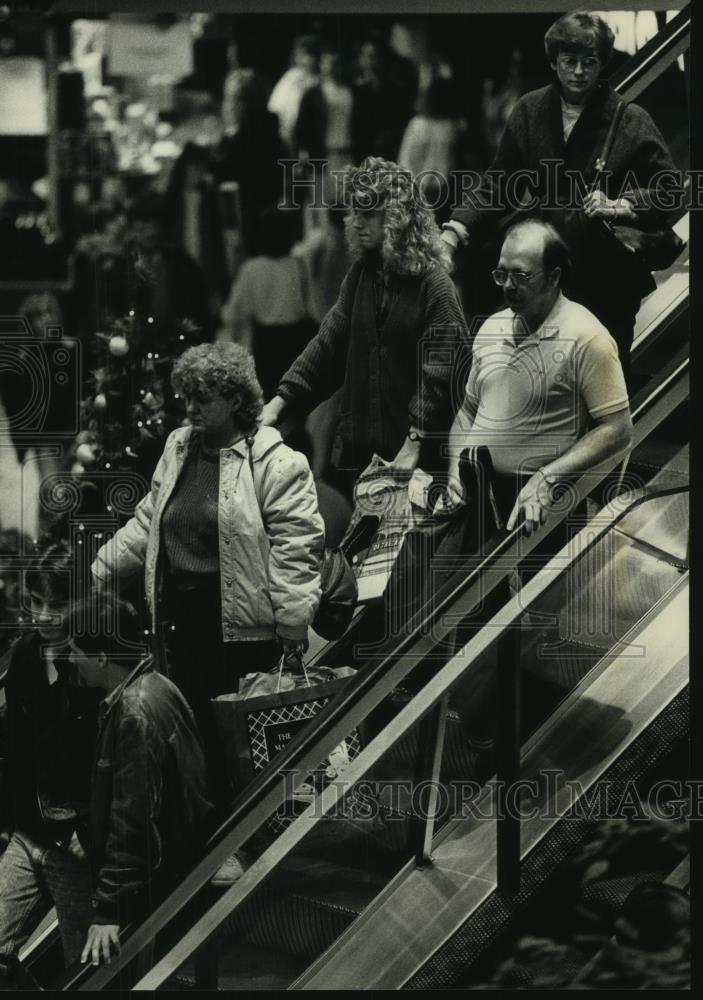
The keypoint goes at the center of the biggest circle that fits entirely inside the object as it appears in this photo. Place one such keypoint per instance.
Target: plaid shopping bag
(269, 710)
(388, 504)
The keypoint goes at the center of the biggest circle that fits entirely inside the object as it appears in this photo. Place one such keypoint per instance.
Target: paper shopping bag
(270, 709)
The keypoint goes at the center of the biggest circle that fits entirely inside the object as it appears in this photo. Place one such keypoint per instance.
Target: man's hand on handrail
(533, 502)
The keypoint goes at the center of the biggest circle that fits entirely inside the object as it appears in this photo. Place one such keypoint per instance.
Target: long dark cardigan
(393, 373)
(603, 279)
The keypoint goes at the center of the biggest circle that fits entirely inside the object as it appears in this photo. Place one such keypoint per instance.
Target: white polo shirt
(531, 401)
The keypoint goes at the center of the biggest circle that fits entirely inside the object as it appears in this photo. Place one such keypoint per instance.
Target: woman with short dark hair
(578, 31)
(546, 160)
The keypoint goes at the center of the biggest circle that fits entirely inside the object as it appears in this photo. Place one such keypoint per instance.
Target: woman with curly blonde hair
(412, 242)
(229, 538)
(396, 335)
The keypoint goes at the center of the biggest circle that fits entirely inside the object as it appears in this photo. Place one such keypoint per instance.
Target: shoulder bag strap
(602, 160)
(250, 444)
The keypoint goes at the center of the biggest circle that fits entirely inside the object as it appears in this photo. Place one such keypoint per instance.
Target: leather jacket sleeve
(132, 848)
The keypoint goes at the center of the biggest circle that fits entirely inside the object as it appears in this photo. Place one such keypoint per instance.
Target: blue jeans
(33, 877)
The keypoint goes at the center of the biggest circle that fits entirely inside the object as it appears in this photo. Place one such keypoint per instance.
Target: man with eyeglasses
(546, 392)
(546, 160)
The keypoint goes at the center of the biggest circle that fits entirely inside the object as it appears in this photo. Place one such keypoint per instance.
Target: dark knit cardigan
(393, 374)
(533, 140)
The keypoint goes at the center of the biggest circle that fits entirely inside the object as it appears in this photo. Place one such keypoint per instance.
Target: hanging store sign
(139, 49)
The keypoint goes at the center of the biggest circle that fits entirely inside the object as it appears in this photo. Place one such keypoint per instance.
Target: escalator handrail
(364, 692)
(427, 699)
(638, 410)
(654, 57)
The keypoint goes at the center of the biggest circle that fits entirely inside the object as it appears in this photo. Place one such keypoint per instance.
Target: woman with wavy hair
(396, 335)
(229, 538)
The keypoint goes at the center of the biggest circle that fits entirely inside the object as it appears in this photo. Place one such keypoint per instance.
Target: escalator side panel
(421, 909)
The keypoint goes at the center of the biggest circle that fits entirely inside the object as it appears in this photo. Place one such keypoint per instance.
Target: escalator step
(461, 761)
(304, 907)
(245, 967)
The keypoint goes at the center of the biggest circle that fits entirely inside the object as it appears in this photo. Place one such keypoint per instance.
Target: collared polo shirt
(530, 400)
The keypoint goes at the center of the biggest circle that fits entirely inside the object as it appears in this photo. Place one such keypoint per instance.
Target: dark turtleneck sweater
(189, 524)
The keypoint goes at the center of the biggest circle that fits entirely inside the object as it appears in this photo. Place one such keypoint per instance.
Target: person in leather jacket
(48, 735)
(149, 808)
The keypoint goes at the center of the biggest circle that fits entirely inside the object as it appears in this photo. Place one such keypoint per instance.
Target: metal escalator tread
(662, 525)
(245, 967)
(460, 760)
(450, 963)
(606, 592)
(374, 845)
(304, 907)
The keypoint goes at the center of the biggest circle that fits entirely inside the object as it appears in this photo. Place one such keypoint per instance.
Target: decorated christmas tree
(129, 407)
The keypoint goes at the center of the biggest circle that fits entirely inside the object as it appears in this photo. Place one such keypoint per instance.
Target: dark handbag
(451, 539)
(338, 583)
(339, 595)
(654, 248)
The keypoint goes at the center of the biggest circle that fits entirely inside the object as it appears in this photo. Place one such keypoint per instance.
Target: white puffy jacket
(270, 548)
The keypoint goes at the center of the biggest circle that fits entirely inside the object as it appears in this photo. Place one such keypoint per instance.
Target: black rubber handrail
(655, 56)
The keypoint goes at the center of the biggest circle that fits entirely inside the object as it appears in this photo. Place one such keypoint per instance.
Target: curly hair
(220, 368)
(412, 242)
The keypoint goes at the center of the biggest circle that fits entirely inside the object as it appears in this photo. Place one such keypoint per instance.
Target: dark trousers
(204, 666)
(476, 698)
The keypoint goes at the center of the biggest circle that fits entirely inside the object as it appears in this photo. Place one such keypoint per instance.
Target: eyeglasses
(519, 278)
(588, 63)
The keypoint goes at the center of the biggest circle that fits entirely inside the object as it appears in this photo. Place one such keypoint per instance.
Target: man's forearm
(595, 447)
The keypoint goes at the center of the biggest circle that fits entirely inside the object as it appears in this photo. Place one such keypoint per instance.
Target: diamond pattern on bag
(269, 731)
